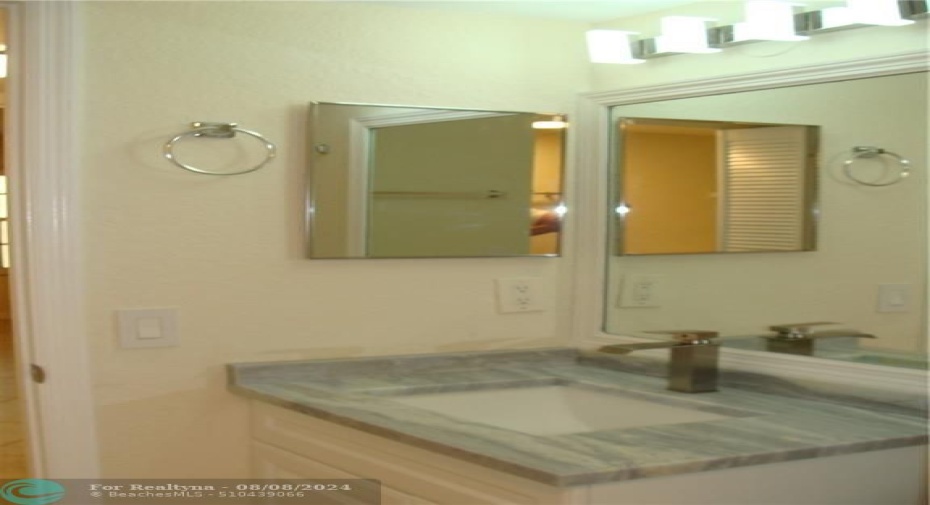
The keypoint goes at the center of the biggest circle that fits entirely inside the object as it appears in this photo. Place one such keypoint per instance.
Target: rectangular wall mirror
(689, 186)
(414, 182)
(869, 270)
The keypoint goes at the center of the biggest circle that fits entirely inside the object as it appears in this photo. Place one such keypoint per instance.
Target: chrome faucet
(797, 338)
(693, 364)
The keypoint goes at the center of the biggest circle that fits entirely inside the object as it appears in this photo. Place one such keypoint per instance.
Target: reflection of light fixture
(2, 61)
(765, 20)
(680, 34)
(556, 123)
(560, 210)
(622, 209)
(610, 46)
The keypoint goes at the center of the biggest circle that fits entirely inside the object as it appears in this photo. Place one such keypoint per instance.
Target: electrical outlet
(519, 294)
(641, 290)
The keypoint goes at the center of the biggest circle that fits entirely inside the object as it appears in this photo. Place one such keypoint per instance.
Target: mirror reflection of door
(762, 189)
(390, 181)
(712, 186)
(451, 188)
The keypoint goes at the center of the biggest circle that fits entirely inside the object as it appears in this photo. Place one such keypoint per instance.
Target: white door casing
(46, 277)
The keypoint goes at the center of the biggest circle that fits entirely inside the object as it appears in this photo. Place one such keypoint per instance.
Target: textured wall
(227, 251)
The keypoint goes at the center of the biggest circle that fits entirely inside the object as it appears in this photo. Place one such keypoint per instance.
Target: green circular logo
(32, 492)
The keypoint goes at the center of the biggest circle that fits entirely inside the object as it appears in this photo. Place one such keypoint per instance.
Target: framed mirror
(415, 182)
(868, 274)
(707, 186)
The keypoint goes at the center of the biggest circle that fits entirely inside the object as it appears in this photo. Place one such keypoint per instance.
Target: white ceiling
(578, 10)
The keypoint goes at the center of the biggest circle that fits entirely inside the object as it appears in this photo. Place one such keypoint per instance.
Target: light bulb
(610, 46)
(683, 34)
(877, 12)
(767, 20)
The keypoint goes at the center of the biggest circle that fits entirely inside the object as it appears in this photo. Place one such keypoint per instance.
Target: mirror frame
(590, 240)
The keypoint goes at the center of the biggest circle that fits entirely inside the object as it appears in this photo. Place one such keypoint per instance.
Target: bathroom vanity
(555, 426)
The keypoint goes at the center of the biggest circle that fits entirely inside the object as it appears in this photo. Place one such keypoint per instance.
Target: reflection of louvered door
(762, 188)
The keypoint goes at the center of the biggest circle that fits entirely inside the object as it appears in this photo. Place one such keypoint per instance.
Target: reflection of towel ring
(871, 152)
(217, 131)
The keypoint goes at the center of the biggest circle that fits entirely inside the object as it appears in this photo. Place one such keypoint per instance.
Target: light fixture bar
(764, 20)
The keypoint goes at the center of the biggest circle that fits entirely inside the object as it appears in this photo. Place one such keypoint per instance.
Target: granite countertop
(767, 419)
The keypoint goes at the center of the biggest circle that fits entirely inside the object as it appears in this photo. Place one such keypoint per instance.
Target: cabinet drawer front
(434, 477)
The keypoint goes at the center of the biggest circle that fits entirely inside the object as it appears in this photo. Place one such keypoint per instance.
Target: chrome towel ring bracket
(865, 152)
(217, 131)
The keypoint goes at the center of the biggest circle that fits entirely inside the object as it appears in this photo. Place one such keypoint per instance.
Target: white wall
(227, 251)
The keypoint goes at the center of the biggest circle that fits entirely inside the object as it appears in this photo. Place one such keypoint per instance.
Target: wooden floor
(12, 441)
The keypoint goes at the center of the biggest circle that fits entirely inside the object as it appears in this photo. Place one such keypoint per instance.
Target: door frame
(47, 286)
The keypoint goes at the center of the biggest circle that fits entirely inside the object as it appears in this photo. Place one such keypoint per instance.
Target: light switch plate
(894, 297)
(143, 328)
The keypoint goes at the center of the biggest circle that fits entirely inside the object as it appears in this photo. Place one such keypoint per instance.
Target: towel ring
(871, 152)
(217, 131)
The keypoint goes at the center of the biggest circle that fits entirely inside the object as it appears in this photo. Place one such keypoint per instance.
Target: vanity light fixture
(765, 20)
(680, 35)
(856, 14)
(622, 209)
(611, 46)
(556, 123)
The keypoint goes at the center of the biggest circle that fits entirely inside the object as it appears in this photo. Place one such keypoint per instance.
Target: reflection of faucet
(798, 338)
(693, 364)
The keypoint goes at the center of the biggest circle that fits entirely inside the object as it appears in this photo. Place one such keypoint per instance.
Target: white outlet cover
(641, 291)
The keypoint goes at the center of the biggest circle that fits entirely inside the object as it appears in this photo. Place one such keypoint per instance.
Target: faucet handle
(796, 330)
(688, 336)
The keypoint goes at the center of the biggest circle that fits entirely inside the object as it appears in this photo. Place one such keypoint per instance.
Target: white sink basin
(555, 410)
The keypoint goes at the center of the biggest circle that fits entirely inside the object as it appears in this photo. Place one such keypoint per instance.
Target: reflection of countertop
(787, 421)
